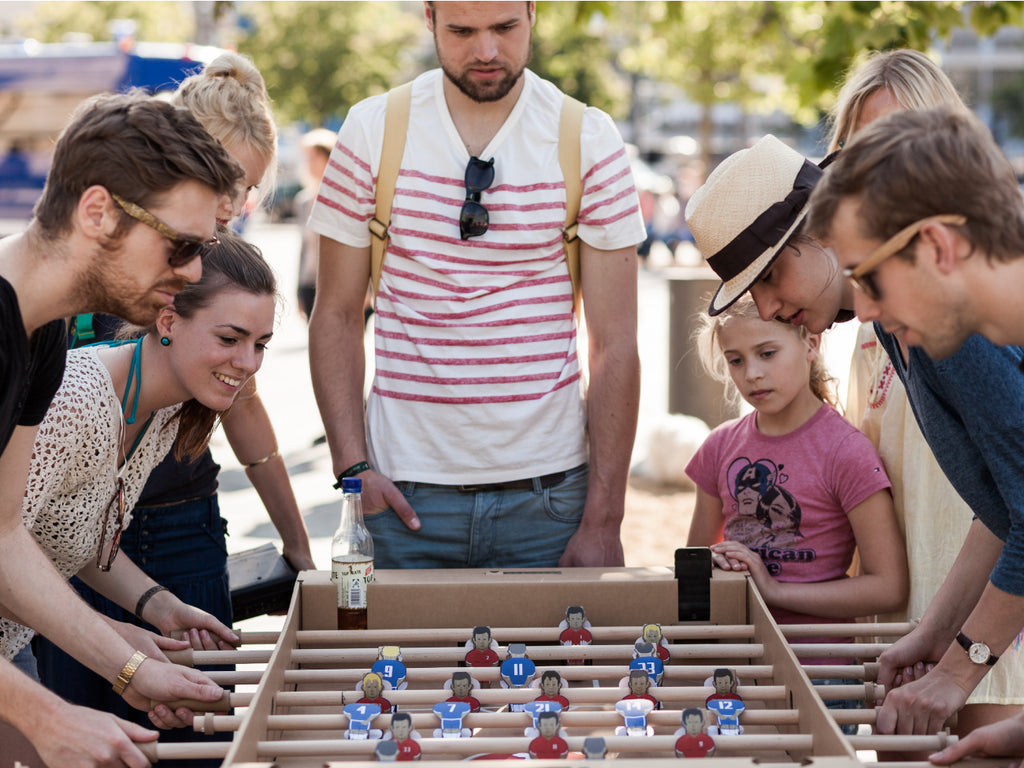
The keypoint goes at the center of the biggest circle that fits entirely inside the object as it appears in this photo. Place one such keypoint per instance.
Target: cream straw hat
(745, 212)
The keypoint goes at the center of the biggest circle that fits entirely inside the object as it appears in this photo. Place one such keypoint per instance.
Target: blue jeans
(180, 546)
(851, 728)
(486, 529)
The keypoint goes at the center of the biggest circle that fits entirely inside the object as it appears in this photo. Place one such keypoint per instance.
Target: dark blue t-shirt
(970, 408)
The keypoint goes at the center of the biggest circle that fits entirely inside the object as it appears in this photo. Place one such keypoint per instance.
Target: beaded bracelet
(146, 597)
(352, 471)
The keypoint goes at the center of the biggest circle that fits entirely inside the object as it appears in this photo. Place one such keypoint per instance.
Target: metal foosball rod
(366, 656)
(333, 638)
(210, 723)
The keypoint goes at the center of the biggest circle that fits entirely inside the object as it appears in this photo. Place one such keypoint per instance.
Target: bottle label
(351, 580)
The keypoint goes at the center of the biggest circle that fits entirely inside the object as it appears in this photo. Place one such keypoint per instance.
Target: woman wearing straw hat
(746, 220)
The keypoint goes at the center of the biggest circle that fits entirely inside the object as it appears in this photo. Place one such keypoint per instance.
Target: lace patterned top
(73, 474)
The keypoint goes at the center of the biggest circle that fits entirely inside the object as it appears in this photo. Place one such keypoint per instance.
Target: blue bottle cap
(352, 485)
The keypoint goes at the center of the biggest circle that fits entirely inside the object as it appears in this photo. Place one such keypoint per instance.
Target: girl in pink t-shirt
(789, 491)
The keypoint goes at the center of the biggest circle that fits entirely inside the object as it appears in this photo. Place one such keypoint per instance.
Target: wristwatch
(979, 653)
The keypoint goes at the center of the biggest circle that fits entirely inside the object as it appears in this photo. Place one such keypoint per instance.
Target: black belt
(527, 484)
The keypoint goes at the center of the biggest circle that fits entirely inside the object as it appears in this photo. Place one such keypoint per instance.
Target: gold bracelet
(264, 460)
(128, 671)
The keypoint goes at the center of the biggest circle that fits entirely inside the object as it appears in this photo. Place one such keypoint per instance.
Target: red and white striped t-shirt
(477, 377)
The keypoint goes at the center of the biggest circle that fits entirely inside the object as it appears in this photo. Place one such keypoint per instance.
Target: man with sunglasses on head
(479, 446)
(926, 218)
(128, 208)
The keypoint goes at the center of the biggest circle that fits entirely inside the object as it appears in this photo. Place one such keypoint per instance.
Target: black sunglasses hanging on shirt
(473, 218)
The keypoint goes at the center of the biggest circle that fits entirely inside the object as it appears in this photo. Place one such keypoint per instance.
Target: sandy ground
(656, 523)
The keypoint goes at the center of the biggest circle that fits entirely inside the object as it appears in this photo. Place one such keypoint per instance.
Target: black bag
(261, 582)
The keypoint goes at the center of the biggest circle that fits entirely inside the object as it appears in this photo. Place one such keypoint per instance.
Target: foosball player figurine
(359, 718)
(725, 702)
(461, 685)
(385, 752)
(403, 736)
(549, 745)
(724, 681)
(693, 741)
(651, 633)
(371, 685)
(575, 630)
(645, 657)
(483, 654)
(639, 687)
(450, 713)
(551, 688)
(594, 748)
(390, 667)
(517, 671)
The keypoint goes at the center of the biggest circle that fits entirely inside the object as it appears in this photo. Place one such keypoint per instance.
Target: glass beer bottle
(352, 557)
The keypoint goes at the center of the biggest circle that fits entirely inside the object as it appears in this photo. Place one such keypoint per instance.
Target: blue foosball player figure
(634, 715)
(359, 718)
(390, 667)
(646, 658)
(451, 713)
(517, 671)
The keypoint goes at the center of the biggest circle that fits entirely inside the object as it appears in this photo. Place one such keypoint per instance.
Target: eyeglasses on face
(863, 275)
(115, 542)
(183, 249)
(473, 218)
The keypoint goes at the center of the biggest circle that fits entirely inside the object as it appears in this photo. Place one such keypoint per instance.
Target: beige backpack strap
(396, 122)
(570, 126)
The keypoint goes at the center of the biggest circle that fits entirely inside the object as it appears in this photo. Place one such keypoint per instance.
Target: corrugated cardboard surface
(499, 598)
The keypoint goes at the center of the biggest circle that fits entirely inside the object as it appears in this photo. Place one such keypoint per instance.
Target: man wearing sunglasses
(925, 216)
(128, 208)
(479, 447)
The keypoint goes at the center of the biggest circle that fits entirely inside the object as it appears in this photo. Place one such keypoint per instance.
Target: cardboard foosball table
(295, 716)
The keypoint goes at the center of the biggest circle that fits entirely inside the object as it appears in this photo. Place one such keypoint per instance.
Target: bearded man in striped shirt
(483, 444)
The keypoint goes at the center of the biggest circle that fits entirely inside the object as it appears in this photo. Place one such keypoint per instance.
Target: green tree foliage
(161, 21)
(320, 58)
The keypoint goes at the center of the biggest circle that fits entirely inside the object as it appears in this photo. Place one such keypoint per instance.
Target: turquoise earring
(165, 341)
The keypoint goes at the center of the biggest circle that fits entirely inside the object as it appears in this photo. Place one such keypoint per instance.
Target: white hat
(742, 216)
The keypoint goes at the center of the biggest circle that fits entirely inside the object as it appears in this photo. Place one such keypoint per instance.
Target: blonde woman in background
(933, 517)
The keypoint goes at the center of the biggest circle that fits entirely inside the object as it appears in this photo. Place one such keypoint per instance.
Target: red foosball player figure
(694, 742)
(482, 654)
(403, 736)
(575, 629)
(549, 745)
(724, 681)
(372, 685)
(551, 687)
(639, 685)
(461, 685)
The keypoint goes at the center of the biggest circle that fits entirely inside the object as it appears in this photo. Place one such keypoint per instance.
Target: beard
(484, 92)
(107, 286)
